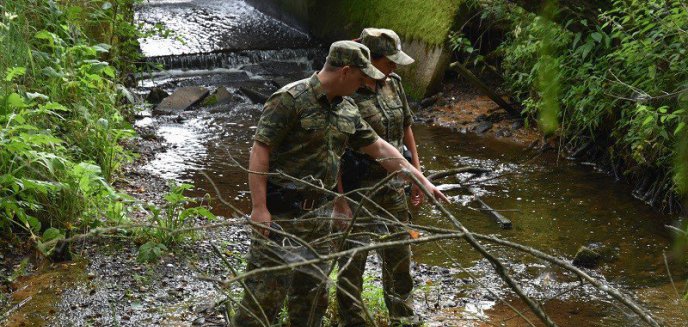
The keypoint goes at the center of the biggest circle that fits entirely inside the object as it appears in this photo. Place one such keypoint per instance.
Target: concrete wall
(424, 77)
(331, 20)
(292, 12)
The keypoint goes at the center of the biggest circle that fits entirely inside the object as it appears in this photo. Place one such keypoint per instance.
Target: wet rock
(182, 99)
(503, 132)
(587, 258)
(219, 97)
(483, 127)
(198, 321)
(517, 124)
(429, 101)
(156, 95)
(481, 118)
(256, 96)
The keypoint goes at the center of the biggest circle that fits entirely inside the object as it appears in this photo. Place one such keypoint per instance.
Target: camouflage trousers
(397, 282)
(304, 287)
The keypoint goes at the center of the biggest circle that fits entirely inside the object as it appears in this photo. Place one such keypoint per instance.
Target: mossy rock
(587, 258)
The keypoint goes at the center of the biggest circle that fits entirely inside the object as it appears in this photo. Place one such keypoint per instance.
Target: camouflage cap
(350, 53)
(385, 42)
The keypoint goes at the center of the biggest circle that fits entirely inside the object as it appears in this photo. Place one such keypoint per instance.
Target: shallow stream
(556, 205)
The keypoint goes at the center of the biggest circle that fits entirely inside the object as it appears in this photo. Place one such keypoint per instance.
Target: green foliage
(151, 251)
(60, 117)
(373, 297)
(168, 221)
(624, 79)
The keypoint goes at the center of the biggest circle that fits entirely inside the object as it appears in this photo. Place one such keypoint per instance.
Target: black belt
(285, 199)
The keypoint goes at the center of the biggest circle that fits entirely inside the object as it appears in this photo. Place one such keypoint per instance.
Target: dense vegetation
(616, 89)
(62, 115)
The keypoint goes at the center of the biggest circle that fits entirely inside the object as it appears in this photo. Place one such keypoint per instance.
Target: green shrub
(61, 118)
(169, 221)
(624, 80)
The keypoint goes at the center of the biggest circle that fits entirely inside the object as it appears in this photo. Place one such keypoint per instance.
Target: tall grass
(60, 112)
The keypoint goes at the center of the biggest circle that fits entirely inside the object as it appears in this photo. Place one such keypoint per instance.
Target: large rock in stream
(587, 258)
(221, 96)
(182, 99)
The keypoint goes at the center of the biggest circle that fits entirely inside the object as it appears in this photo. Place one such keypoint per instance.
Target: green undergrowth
(61, 115)
(618, 89)
(428, 21)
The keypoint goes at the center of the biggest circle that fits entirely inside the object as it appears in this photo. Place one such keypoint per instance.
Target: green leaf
(33, 223)
(203, 212)
(576, 39)
(52, 234)
(102, 47)
(648, 120)
(586, 49)
(596, 36)
(16, 101)
(107, 5)
(109, 71)
(679, 128)
(13, 72)
(45, 35)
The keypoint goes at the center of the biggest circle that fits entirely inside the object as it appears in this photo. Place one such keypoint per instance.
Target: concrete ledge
(331, 20)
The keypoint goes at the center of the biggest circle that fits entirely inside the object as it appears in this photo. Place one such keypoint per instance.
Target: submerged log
(504, 222)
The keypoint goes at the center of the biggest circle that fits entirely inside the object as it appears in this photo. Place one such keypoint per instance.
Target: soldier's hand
(261, 216)
(417, 195)
(341, 213)
(437, 194)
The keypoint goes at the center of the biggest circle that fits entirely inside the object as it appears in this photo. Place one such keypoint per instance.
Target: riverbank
(461, 107)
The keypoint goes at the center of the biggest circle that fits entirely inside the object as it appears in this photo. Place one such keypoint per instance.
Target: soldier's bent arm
(390, 158)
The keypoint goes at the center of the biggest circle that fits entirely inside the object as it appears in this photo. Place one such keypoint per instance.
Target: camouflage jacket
(386, 110)
(307, 134)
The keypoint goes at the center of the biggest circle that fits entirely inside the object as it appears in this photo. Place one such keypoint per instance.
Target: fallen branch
(504, 222)
(460, 170)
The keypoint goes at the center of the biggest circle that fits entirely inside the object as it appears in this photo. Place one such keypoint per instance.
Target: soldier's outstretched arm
(259, 162)
(390, 158)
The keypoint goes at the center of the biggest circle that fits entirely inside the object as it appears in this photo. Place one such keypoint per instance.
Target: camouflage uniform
(387, 111)
(307, 135)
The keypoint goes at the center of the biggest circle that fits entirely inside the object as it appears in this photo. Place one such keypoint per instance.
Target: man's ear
(346, 70)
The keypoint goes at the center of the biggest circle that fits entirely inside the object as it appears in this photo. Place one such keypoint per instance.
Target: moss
(428, 21)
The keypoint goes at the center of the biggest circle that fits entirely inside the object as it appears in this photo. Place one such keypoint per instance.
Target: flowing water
(555, 205)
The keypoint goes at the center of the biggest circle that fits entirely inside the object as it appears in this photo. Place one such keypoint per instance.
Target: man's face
(352, 79)
(385, 65)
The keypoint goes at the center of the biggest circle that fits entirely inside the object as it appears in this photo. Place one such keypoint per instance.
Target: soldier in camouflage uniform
(383, 105)
(303, 131)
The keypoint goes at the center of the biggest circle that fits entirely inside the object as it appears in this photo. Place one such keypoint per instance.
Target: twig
(666, 264)
(18, 306)
(641, 312)
(496, 264)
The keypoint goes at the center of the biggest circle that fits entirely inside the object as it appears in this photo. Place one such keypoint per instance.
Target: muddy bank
(463, 108)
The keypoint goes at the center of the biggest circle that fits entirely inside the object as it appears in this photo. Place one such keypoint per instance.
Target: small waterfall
(308, 57)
